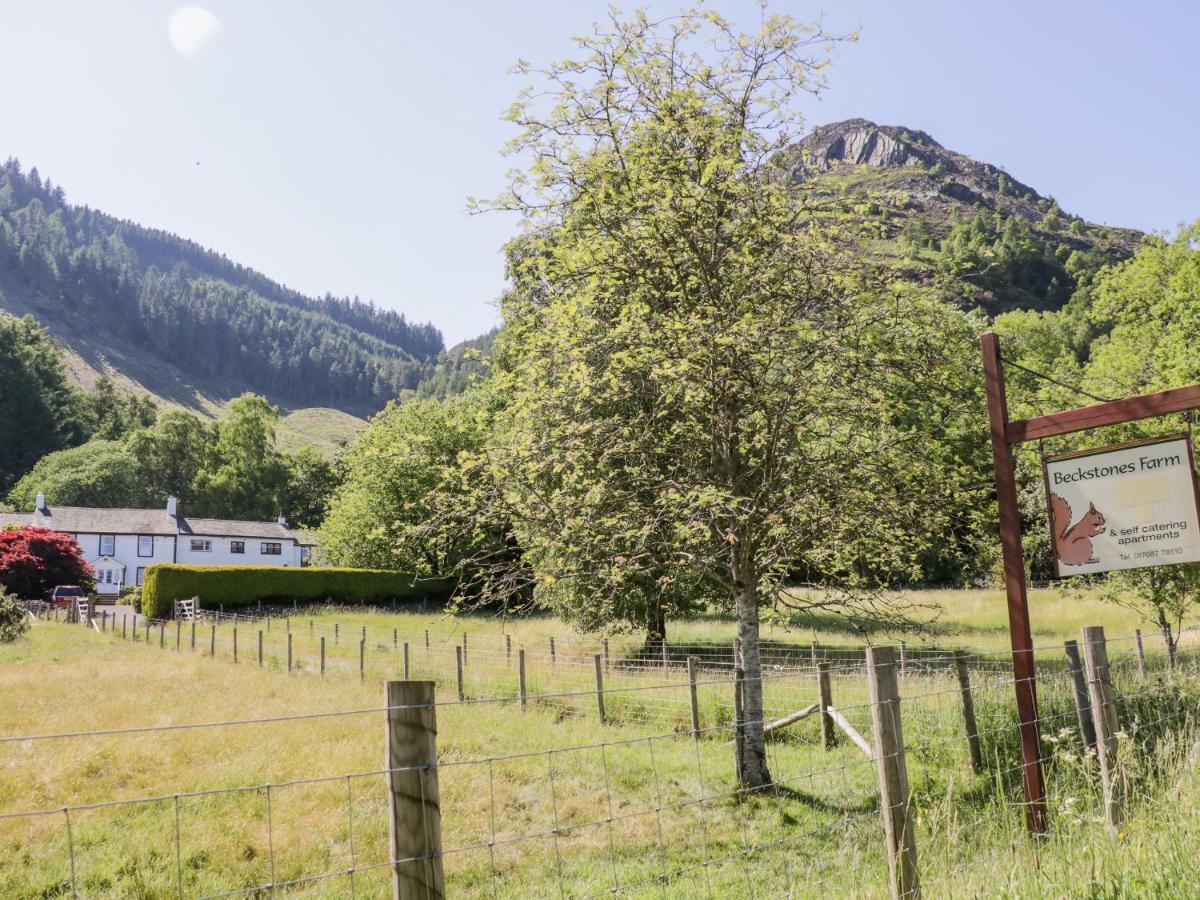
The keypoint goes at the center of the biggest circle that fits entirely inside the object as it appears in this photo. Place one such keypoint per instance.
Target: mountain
(939, 211)
(163, 315)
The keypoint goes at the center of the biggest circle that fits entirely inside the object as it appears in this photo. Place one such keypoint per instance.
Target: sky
(333, 145)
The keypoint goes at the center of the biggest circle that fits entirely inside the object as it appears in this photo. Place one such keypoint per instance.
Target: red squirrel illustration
(1073, 543)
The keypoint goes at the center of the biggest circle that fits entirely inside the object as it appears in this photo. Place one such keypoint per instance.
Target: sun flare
(192, 30)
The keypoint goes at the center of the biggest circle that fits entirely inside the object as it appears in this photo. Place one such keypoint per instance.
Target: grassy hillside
(325, 430)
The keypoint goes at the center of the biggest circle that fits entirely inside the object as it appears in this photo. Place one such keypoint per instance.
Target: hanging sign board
(1123, 507)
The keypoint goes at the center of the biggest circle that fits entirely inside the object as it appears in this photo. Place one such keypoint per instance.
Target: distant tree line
(103, 447)
(198, 309)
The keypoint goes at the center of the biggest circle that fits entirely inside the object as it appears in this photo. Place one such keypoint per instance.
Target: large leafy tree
(247, 475)
(704, 383)
(172, 454)
(42, 412)
(407, 452)
(98, 473)
(311, 481)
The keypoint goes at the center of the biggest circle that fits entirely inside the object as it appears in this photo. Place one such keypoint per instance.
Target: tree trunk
(753, 763)
(1168, 638)
(656, 624)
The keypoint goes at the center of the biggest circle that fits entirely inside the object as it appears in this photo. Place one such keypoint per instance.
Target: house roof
(91, 520)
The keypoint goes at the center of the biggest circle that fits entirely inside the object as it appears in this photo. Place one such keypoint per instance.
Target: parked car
(66, 594)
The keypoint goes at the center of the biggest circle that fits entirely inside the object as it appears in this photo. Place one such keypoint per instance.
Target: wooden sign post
(1005, 434)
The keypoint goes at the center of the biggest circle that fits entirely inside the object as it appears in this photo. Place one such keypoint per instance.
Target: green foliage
(98, 473)
(1167, 594)
(171, 455)
(39, 407)
(1005, 259)
(111, 415)
(237, 586)
(14, 622)
(459, 368)
(194, 308)
(311, 481)
(246, 475)
(409, 450)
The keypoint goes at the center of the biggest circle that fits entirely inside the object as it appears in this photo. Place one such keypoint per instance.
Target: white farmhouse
(120, 544)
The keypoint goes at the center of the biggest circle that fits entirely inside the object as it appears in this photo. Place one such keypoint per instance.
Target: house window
(237, 546)
(141, 575)
(108, 544)
(271, 549)
(201, 545)
(108, 576)
(145, 545)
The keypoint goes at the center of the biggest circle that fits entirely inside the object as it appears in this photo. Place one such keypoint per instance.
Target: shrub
(13, 620)
(34, 561)
(247, 585)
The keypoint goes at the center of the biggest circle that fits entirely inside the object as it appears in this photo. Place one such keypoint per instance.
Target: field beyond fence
(259, 755)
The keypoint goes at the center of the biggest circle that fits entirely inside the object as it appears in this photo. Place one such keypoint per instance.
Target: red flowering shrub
(33, 561)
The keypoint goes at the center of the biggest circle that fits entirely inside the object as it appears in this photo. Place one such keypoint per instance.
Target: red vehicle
(66, 594)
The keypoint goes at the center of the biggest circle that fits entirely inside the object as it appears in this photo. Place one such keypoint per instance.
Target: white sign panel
(1123, 507)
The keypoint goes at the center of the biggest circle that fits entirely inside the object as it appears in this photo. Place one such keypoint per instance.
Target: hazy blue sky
(337, 141)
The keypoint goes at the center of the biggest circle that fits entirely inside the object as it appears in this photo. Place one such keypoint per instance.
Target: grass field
(546, 800)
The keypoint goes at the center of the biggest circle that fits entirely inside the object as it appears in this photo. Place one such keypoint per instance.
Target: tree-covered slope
(188, 324)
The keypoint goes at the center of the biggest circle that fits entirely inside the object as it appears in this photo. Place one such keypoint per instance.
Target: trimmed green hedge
(234, 586)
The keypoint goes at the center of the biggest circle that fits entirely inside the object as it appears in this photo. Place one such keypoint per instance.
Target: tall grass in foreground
(636, 805)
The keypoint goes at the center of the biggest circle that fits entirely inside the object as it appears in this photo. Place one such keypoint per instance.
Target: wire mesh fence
(614, 773)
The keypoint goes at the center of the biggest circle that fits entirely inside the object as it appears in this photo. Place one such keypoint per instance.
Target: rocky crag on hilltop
(923, 197)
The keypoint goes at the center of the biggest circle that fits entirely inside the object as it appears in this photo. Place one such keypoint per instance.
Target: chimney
(172, 504)
(40, 502)
(283, 522)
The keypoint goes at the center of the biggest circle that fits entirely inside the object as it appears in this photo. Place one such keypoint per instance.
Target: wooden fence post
(464, 648)
(322, 656)
(458, 655)
(178, 634)
(1083, 705)
(162, 635)
(193, 635)
(1141, 652)
(903, 658)
(103, 620)
(362, 659)
(235, 640)
(968, 710)
(600, 687)
(426, 641)
(147, 632)
(553, 657)
(606, 658)
(1104, 717)
(289, 668)
(824, 701)
(521, 678)
(212, 640)
(260, 648)
(396, 640)
(691, 664)
(893, 772)
(414, 802)
(508, 649)
(124, 622)
(336, 637)
(406, 660)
